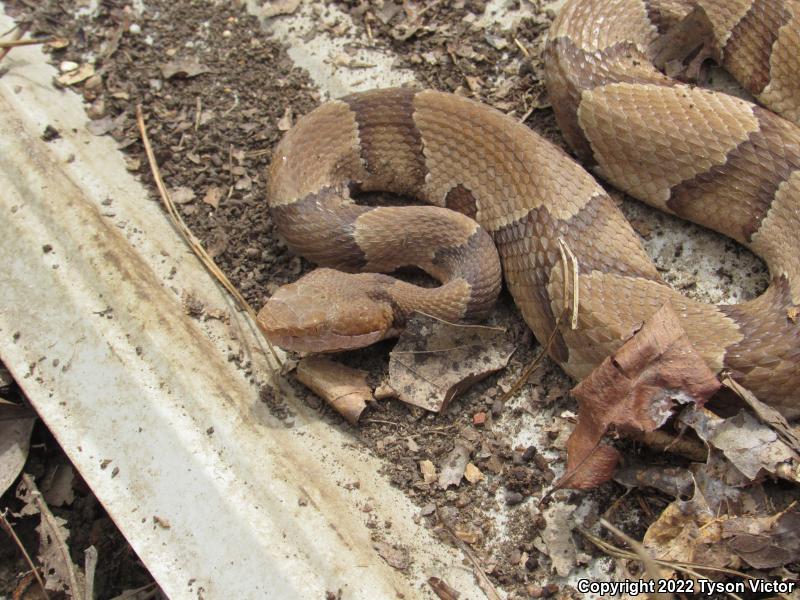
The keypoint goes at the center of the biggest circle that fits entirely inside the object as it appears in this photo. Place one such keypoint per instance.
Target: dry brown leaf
(634, 390)
(472, 473)
(442, 589)
(766, 542)
(452, 469)
(273, 8)
(213, 196)
(428, 470)
(396, 557)
(15, 438)
(344, 388)
(436, 361)
(185, 67)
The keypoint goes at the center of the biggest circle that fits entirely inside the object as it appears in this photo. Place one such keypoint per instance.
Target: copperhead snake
(705, 156)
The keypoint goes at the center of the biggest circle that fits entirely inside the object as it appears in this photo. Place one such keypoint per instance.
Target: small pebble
(479, 418)
(67, 66)
(135, 29)
(514, 498)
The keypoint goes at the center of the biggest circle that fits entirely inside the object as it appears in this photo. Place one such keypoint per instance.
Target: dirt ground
(217, 95)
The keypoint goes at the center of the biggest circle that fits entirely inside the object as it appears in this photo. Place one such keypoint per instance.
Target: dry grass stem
(13, 535)
(190, 238)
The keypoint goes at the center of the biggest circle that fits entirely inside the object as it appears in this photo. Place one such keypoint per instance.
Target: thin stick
(10, 531)
(189, 237)
(483, 581)
(61, 544)
(16, 43)
(15, 35)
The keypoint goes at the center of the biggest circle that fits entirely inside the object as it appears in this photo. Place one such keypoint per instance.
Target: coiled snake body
(716, 160)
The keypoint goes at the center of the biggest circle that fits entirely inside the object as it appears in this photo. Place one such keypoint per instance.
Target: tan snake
(711, 158)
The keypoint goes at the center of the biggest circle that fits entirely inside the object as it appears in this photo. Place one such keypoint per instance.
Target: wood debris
(344, 388)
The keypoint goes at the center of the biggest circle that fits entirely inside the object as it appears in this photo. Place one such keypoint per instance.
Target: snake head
(327, 311)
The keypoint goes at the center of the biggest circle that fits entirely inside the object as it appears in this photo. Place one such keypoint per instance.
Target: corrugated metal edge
(169, 434)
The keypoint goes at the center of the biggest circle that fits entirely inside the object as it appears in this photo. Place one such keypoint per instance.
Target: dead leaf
(472, 473)
(213, 196)
(635, 389)
(557, 536)
(396, 558)
(78, 75)
(442, 589)
(184, 67)
(60, 573)
(344, 388)
(767, 414)
(754, 448)
(452, 470)
(15, 439)
(433, 362)
(273, 8)
(766, 542)
(181, 195)
(57, 484)
(428, 470)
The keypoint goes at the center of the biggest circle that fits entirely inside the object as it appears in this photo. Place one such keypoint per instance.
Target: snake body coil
(705, 156)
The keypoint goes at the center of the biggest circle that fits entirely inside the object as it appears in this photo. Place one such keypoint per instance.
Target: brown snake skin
(707, 157)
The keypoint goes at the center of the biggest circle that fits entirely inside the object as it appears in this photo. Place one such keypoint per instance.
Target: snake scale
(708, 157)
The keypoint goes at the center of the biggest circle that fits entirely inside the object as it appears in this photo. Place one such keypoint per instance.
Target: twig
(17, 42)
(49, 521)
(189, 237)
(652, 568)
(13, 535)
(15, 35)
(483, 581)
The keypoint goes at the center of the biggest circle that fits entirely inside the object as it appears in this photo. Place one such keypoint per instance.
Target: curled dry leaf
(454, 465)
(634, 390)
(345, 389)
(436, 361)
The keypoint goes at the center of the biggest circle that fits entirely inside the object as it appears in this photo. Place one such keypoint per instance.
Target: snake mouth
(323, 342)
